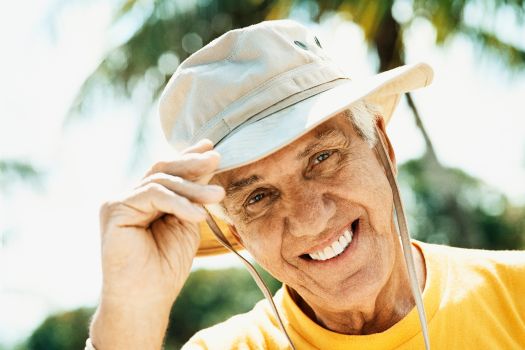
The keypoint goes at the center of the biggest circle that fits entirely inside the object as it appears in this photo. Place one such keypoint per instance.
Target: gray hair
(361, 114)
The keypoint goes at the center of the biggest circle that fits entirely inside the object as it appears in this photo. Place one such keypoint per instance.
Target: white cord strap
(405, 237)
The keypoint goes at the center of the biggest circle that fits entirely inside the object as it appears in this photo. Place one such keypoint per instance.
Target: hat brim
(252, 142)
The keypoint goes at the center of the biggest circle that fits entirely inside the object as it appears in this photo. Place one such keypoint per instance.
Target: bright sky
(49, 260)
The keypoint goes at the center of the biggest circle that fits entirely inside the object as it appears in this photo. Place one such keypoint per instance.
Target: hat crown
(238, 75)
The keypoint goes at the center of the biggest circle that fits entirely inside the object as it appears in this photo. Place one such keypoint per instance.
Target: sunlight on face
(317, 215)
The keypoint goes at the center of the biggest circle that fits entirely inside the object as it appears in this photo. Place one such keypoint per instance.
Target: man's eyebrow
(329, 136)
(240, 184)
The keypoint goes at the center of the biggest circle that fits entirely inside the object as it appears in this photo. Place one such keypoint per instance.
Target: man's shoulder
(253, 329)
(480, 291)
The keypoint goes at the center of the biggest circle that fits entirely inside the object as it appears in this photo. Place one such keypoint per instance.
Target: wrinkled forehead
(335, 129)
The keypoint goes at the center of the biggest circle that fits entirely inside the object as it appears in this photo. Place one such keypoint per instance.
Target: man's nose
(310, 210)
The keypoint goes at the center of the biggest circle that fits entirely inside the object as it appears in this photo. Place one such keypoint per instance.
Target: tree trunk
(389, 44)
(430, 153)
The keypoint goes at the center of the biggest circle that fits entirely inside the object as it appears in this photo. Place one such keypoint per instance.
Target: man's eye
(321, 157)
(256, 198)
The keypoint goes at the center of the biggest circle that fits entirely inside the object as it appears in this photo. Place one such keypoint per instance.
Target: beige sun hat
(255, 90)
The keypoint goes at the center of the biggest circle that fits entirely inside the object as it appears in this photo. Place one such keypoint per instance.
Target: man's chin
(342, 296)
(354, 287)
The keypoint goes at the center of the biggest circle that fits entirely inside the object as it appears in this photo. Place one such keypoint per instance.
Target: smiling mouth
(337, 247)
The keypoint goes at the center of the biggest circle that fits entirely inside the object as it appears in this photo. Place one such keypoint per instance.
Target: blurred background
(78, 92)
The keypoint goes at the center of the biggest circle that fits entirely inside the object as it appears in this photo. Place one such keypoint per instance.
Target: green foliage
(63, 331)
(12, 170)
(210, 297)
(170, 30)
(451, 207)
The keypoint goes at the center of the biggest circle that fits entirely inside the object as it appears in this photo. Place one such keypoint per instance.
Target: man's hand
(149, 239)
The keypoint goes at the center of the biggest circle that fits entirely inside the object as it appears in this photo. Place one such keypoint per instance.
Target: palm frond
(126, 65)
(511, 56)
(13, 170)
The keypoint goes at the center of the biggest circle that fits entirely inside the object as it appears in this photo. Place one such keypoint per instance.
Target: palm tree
(12, 170)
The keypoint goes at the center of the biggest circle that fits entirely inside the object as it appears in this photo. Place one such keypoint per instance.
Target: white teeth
(334, 249)
(321, 255)
(328, 252)
(337, 247)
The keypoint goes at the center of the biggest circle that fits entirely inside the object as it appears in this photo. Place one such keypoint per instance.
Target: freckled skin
(303, 201)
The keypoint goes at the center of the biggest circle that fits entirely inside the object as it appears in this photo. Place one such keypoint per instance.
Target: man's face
(325, 187)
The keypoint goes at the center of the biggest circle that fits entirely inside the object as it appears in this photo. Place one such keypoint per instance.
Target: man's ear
(381, 128)
(234, 232)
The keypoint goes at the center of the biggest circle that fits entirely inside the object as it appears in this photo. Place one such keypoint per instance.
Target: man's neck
(393, 303)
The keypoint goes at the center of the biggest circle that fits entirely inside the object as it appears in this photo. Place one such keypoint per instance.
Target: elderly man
(292, 158)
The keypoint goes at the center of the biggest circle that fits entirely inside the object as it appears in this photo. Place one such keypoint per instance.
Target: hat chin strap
(380, 149)
(405, 243)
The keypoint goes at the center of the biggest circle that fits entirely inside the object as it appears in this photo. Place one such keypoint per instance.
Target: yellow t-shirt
(474, 299)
